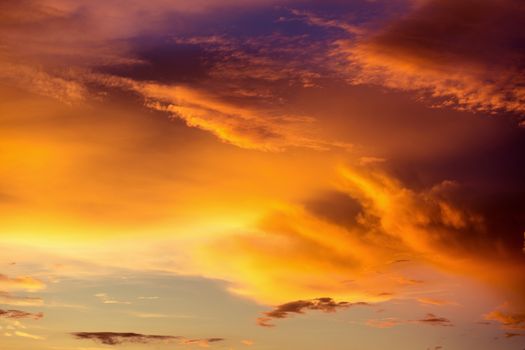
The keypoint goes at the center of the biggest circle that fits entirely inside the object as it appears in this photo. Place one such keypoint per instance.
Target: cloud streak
(10, 299)
(26, 283)
(117, 338)
(19, 314)
(429, 320)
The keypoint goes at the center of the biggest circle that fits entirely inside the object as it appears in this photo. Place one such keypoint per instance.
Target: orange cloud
(317, 256)
(384, 323)
(429, 319)
(63, 88)
(507, 319)
(512, 335)
(242, 126)
(433, 301)
(26, 283)
(294, 253)
(458, 53)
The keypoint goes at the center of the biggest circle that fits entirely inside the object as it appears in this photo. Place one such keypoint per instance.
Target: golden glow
(215, 167)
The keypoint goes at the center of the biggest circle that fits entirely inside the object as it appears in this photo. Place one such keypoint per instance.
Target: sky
(262, 175)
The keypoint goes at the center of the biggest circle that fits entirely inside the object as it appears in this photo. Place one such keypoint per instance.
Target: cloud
(391, 222)
(385, 322)
(18, 314)
(315, 20)
(26, 283)
(10, 299)
(340, 241)
(512, 335)
(433, 301)
(58, 86)
(352, 259)
(300, 306)
(157, 315)
(28, 335)
(148, 298)
(114, 338)
(434, 320)
(243, 126)
(508, 320)
(464, 54)
(237, 97)
(202, 342)
(106, 299)
(429, 319)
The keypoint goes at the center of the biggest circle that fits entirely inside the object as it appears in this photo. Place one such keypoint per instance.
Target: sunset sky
(262, 174)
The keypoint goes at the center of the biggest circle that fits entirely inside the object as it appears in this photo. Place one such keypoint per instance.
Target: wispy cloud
(106, 299)
(19, 314)
(508, 320)
(512, 335)
(26, 283)
(384, 322)
(206, 342)
(28, 335)
(11, 299)
(116, 338)
(248, 127)
(316, 20)
(434, 301)
(156, 315)
(429, 319)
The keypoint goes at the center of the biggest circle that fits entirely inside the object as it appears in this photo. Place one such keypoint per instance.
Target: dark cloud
(434, 320)
(19, 314)
(164, 61)
(468, 54)
(512, 335)
(202, 342)
(116, 338)
(335, 207)
(300, 306)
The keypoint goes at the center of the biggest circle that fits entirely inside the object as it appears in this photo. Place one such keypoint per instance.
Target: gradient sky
(266, 175)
